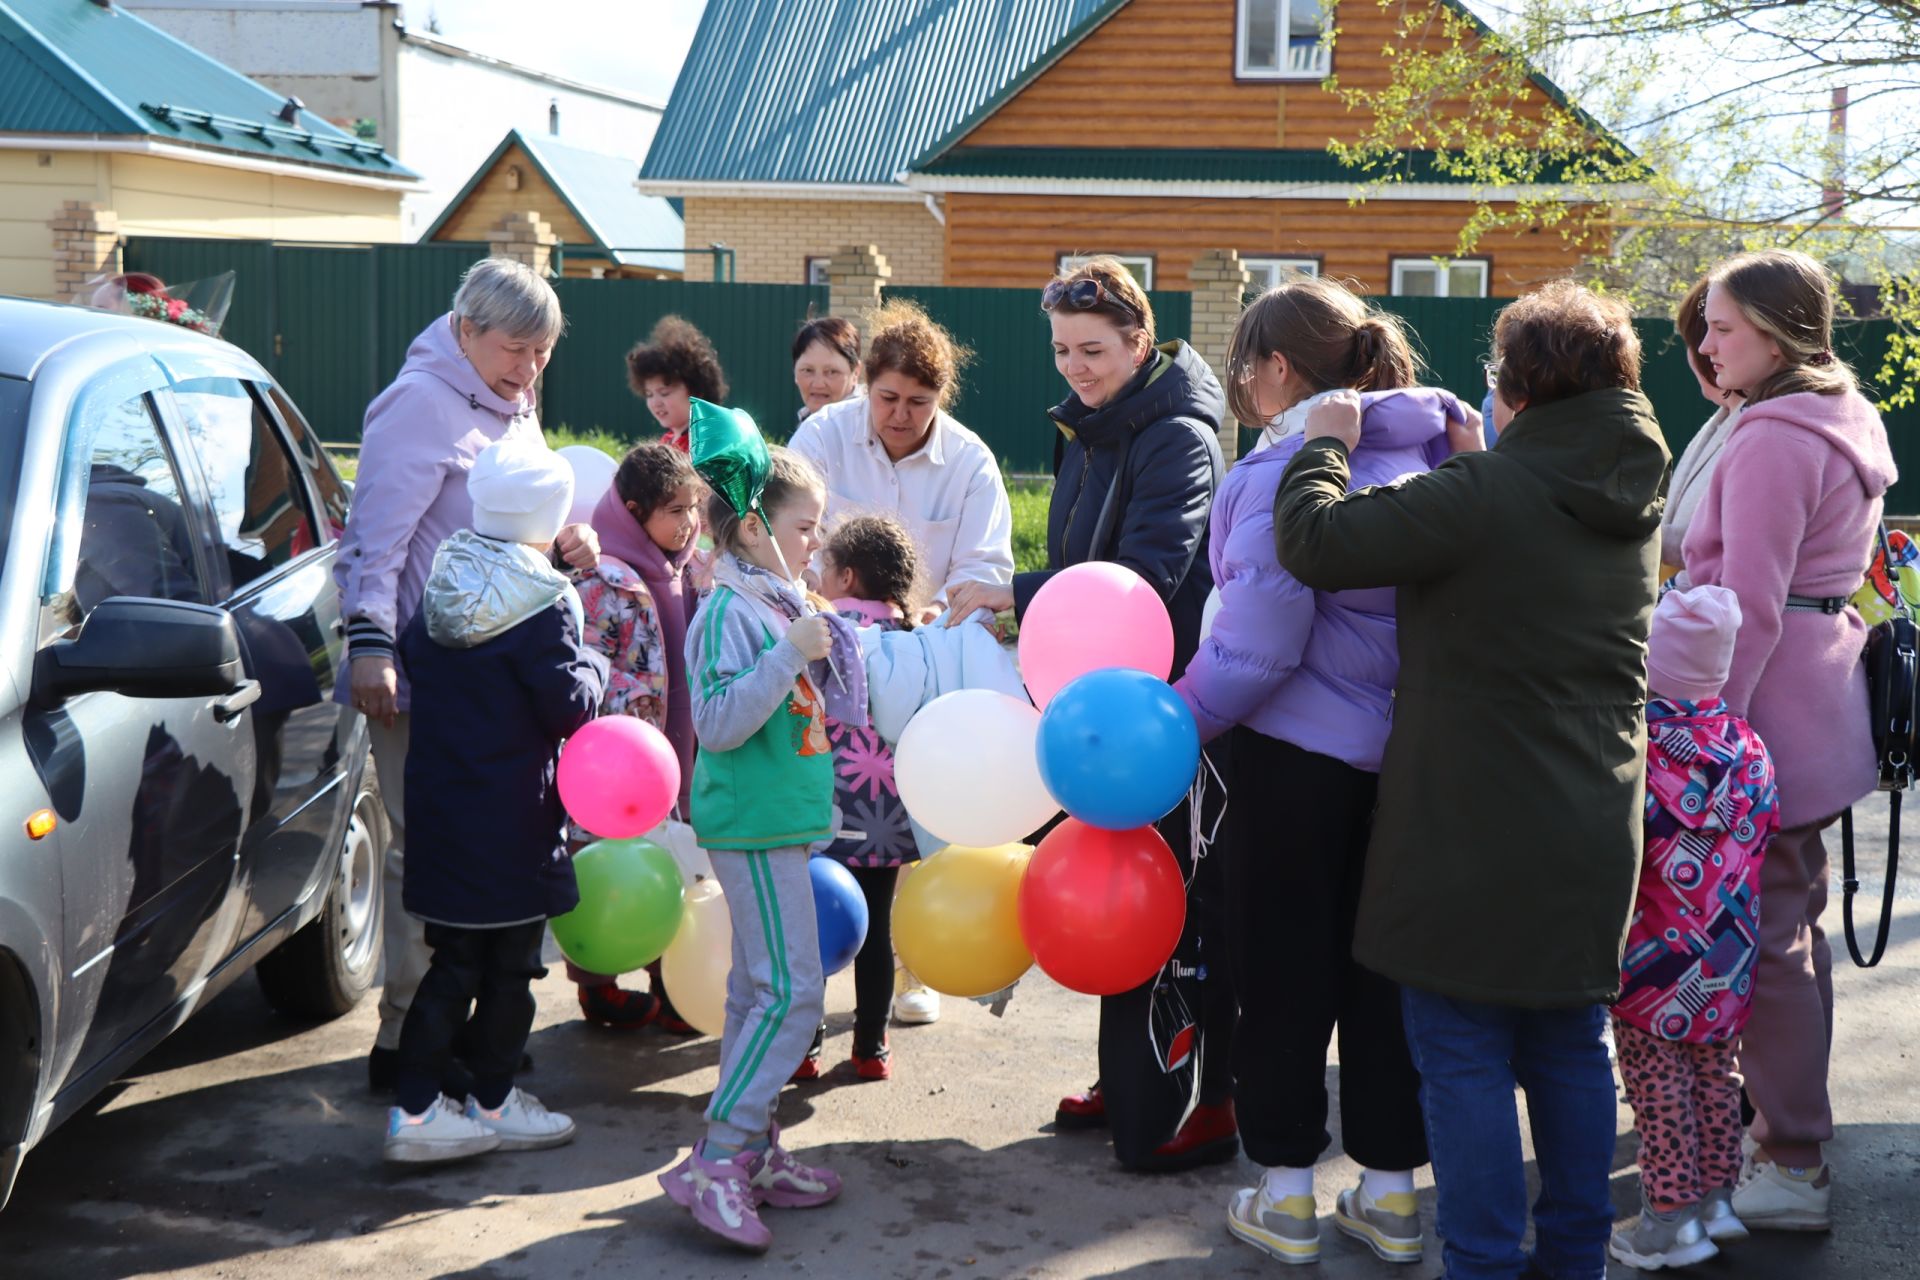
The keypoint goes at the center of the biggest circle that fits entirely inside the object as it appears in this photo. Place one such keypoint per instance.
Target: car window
(333, 491)
(259, 500)
(135, 539)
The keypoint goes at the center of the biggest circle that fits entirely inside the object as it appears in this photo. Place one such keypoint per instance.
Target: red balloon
(1102, 910)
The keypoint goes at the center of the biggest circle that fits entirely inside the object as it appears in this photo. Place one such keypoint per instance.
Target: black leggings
(873, 967)
(493, 971)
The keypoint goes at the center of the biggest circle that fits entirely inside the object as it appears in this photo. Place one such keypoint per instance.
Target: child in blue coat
(500, 678)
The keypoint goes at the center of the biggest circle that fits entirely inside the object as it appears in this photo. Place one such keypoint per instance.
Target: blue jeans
(1470, 1056)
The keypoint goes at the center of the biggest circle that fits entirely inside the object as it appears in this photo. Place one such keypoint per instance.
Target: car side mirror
(142, 649)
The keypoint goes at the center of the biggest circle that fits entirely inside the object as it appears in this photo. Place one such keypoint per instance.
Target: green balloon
(730, 454)
(631, 896)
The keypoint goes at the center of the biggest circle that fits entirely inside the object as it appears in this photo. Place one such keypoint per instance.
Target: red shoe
(674, 1025)
(1082, 1110)
(616, 1007)
(809, 1069)
(1210, 1136)
(876, 1066)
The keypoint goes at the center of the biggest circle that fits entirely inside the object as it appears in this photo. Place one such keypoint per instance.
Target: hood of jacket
(1174, 383)
(1600, 454)
(481, 588)
(1848, 423)
(1407, 418)
(435, 352)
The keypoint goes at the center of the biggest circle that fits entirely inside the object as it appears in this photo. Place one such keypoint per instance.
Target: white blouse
(948, 493)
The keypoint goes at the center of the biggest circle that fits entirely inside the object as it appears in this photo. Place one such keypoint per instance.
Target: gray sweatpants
(775, 990)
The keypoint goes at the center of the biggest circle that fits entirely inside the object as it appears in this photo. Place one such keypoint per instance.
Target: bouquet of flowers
(200, 305)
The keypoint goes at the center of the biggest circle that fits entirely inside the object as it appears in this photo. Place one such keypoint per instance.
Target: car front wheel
(323, 970)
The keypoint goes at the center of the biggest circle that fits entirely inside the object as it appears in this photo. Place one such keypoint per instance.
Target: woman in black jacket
(1135, 472)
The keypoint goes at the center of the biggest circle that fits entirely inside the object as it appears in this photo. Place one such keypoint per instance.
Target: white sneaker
(437, 1134)
(1768, 1199)
(1718, 1217)
(522, 1123)
(913, 1004)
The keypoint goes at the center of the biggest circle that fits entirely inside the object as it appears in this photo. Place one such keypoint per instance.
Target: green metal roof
(848, 91)
(1174, 164)
(598, 190)
(76, 66)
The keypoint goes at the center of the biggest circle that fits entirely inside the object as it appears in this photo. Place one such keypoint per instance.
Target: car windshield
(13, 435)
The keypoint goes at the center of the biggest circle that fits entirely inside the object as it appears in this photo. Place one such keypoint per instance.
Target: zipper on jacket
(1086, 466)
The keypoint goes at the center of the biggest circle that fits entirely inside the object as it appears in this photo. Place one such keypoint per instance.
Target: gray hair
(499, 293)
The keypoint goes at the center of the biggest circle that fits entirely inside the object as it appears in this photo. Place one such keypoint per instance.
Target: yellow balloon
(694, 967)
(956, 920)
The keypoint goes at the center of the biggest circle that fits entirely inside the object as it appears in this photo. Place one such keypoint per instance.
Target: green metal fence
(333, 323)
(330, 322)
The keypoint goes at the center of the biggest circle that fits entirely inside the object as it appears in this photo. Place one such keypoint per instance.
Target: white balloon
(694, 967)
(592, 477)
(968, 769)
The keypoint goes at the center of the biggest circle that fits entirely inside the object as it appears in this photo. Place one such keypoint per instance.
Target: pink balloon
(1089, 617)
(619, 777)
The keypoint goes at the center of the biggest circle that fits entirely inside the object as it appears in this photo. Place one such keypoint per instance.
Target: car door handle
(229, 708)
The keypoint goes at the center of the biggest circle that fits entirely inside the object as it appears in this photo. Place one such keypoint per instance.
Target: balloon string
(1201, 836)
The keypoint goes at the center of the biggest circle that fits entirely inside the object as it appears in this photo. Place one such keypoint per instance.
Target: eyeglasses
(1084, 295)
(1493, 373)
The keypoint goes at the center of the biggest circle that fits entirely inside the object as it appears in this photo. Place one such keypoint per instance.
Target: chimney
(553, 116)
(1833, 197)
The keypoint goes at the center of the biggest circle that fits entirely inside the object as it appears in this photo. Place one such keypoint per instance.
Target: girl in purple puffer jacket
(1304, 682)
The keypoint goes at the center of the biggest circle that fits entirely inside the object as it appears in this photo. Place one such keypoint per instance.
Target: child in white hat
(500, 678)
(1686, 981)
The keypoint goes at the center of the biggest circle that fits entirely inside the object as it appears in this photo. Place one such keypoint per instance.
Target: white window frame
(1315, 63)
(1140, 265)
(1266, 271)
(1443, 275)
(821, 260)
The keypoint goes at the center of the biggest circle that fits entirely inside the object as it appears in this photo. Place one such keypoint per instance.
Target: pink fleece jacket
(1793, 508)
(421, 437)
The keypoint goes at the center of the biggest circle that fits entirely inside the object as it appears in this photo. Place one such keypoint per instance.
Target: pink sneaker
(722, 1201)
(783, 1182)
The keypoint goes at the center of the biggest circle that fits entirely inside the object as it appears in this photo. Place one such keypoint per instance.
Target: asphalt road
(248, 1146)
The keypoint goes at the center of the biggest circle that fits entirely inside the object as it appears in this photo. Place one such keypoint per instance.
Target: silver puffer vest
(481, 588)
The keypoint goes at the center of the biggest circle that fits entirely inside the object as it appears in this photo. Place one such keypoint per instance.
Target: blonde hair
(790, 476)
(1330, 339)
(1788, 297)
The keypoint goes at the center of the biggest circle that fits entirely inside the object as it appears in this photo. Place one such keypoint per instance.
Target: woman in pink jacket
(468, 381)
(1787, 523)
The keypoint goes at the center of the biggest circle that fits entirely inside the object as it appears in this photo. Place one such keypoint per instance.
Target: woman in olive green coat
(1506, 847)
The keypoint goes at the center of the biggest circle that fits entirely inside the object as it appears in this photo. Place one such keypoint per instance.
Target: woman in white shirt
(898, 451)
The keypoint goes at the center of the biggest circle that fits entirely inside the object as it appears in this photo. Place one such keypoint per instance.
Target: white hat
(1690, 650)
(521, 491)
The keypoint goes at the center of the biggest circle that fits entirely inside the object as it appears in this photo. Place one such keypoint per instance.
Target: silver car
(183, 799)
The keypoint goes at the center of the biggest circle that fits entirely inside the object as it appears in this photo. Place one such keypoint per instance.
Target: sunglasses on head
(1084, 294)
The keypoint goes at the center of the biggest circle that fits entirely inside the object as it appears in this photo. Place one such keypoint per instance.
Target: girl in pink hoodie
(1788, 523)
(637, 603)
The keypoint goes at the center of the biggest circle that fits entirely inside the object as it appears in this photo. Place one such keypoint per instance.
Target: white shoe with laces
(438, 1134)
(522, 1123)
(1770, 1198)
(913, 1004)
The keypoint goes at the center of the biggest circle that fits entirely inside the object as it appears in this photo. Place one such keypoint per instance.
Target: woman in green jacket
(1501, 870)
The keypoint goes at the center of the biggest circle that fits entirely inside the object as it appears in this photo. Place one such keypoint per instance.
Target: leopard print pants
(1686, 1107)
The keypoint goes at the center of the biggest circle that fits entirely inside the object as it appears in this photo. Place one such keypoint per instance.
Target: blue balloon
(840, 910)
(1118, 748)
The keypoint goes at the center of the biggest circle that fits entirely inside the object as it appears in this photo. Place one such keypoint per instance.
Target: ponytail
(1330, 339)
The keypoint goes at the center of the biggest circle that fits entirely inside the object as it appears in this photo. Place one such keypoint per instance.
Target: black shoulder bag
(1893, 702)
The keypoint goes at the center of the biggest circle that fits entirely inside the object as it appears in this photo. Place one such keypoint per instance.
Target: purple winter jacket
(1312, 668)
(421, 437)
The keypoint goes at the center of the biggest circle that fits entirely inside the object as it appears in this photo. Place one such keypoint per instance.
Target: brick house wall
(773, 238)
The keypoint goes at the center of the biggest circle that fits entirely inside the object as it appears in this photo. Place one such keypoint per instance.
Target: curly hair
(1564, 341)
(906, 341)
(880, 554)
(678, 352)
(650, 475)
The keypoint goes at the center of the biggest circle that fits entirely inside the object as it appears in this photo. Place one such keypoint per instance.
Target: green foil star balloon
(730, 454)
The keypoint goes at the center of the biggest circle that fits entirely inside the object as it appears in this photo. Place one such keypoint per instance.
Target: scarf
(841, 676)
(1693, 472)
(623, 538)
